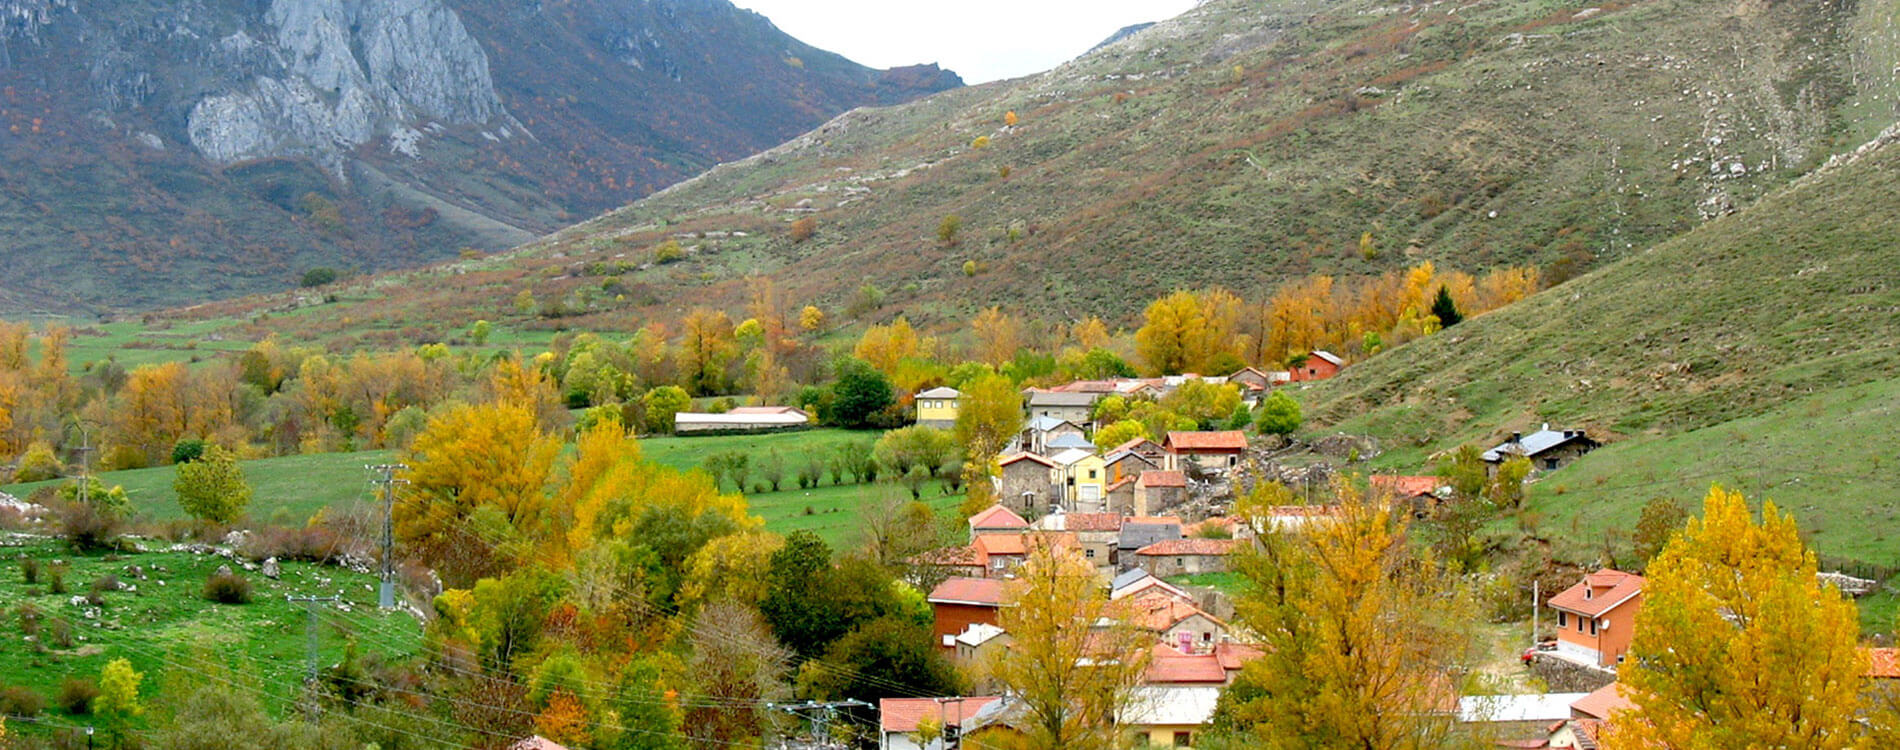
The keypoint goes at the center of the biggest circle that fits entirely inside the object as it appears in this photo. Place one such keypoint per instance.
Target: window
(1089, 553)
(1593, 627)
(1091, 473)
(1183, 739)
(1550, 464)
(1561, 620)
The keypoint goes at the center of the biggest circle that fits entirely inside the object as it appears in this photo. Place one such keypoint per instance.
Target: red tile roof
(1163, 520)
(1236, 655)
(1406, 486)
(966, 556)
(1188, 547)
(537, 742)
(1014, 457)
(1130, 445)
(1124, 482)
(1599, 592)
(903, 714)
(1092, 521)
(1159, 612)
(1604, 701)
(998, 517)
(1156, 478)
(1169, 665)
(1225, 440)
(979, 591)
(1883, 663)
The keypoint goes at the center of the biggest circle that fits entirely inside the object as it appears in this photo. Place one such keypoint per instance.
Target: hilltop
(1241, 144)
(159, 154)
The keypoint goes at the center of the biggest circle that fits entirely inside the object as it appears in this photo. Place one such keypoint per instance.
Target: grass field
(286, 490)
(165, 626)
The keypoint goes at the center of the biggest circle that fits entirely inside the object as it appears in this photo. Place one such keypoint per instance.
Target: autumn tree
(1168, 334)
(1205, 403)
(811, 318)
(1120, 432)
(914, 447)
(803, 229)
(470, 459)
(1073, 676)
(736, 667)
(1738, 643)
(661, 404)
(706, 347)
(212, 487)
(1364, 639)
(948, 228)
(118, 701)
(884, 346)
(998, 336)
(1662, 517)
(1279, 414)
(988, 416)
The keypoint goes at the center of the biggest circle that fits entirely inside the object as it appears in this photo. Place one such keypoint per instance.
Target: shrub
(62, 633)
(803, 229)
(87, 526)
(30, 617)
(19, 701)
(38, 463)
(668, 252)
(76, 695)
(104, 583)
(187, 450)
(56, 579)
(227, 588)
(318, 276)
(29, 570)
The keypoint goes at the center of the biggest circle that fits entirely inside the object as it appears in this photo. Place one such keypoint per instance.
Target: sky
(982, 40)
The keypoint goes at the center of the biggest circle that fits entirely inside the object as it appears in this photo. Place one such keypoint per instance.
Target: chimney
(1546, 427)
(1517, 437)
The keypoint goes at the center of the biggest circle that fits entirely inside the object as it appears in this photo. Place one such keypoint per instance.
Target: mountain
(1244, 143)
(160, 153)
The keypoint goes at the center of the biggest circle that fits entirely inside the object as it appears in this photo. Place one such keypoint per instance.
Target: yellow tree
(1738, 644)
(988, 416)
(1299, 312)
(706, 347)
(9, 401)
(1090, 333)
(1170, 333)
(1364, 639)
(1073, 662)
(998, 336)
(486, 458)
(811, 318)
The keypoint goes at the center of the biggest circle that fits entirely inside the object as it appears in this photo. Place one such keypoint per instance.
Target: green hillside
(1761, 350)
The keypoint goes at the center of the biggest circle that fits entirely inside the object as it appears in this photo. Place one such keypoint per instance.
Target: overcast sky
(982, 40)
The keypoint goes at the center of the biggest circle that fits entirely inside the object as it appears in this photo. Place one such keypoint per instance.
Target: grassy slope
(286, 490)
(1759, 349)
(159, 627)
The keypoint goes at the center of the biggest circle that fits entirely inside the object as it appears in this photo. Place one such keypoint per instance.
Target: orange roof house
(902, 716)
(1212, 450)
(997, 518)
(1883, 663)
(958, 603)
(1600, 704)
(1597, 617)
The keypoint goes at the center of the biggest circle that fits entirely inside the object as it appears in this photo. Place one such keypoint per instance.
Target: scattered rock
(223, 570)
(271, 569)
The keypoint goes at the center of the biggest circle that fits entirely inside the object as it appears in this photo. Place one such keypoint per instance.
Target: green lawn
(288, 490)
(1230, 582)
(688, 452)
(166, 629)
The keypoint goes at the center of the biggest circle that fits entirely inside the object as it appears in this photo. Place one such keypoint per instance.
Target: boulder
(271, 568)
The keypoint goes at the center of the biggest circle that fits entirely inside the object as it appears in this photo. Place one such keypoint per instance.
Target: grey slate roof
(1070, 440)
(1045, 424)
(942, 391)
(1129, 578)
(1535, 443)
(1138, 535)
(1060, 398)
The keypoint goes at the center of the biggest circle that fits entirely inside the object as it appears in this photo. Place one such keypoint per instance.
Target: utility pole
(85, 466)
(310, 649)
(822, 714)
(386, 594)
(952, 733)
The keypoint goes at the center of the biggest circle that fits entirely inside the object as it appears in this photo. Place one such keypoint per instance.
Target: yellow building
(1084, 480)
(937, 407)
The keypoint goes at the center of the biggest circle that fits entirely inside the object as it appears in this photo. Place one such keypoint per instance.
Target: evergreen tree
(1445, 309)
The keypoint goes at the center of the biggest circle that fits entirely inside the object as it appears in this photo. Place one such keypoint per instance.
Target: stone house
(1547, 449)
(1215, 451)
(1176, 557)
(1157, 491)
(1027, 484)
(1039, 432)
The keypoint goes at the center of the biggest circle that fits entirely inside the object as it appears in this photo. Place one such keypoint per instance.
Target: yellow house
(1168, 716)
(1084, 479)
(937, 407)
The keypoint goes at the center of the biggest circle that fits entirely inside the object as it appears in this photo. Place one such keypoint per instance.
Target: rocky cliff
(164, 152)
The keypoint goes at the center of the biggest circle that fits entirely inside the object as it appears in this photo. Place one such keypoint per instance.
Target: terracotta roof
(1883, 663)
(1092, 521)
(1159, 612)
(1188, 547)
(1406, 486)
(988, 545)
(1225, 440)
(1169, 665)
(1014, 457)
(979, 591)
(998, 517)
(1086, 386)
(1599, 592)
(537, 742)
(1606, 700)
(947, 556)
(1163, 520)
(1236, 655)
(1124, 482)
(903, 714)
(1157, 478)
(1132, 444)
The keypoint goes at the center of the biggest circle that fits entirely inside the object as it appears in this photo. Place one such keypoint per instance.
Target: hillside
(1757, 351)
(1242, 143)
(159, 154)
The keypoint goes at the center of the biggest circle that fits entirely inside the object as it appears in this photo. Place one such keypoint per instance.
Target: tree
(1662, 517)
(1165, 340)
(118, 701)
(706, 347)
(1445, 309)
(1207, 404)
(895, 529)
(1009, 118)
(1738, 644)
(948, 228)
(915, 447)
(318, 276)
(886, 655)
(1363, 638)
(988, 416)
(998, 336)
(736, 666)
(1506, 488)
(1072, 676)
(524, 302)
(803, 229)
(1120, 432)
(811, 318)
(564, 720)
(662, 404)
(213, 487)
(860, 393)
(471, 458)
(479, 331)
(1462, 516)
(1279, 414)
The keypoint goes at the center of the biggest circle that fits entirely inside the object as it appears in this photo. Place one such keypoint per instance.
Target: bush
(227, 588)
(55, 579)
(187, 450)
(29, 570)
(102, 584)
(30, 617)
(87, 526)
(19, 701)
(62, 633)
(38, 463)
(76, 695)
(318, 276)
